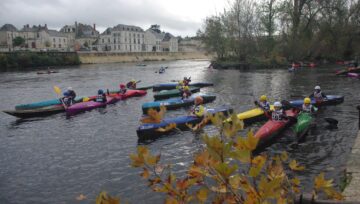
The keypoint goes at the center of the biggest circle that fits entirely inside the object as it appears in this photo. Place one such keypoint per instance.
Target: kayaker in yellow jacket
(186, 93)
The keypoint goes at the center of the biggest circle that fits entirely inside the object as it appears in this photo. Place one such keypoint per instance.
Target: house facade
(157, 41)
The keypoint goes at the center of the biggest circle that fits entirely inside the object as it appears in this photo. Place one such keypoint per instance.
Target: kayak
(354, 75)
(41, 104)
(150, 130)
(350, 69)
(128, 94)
(175, 103)
(330, 100)
(271, 129)
(172, 93)
(39, 112)
(251, 116)
(89, 105)
(141, 65)
(47, 72)
(142, 88)
(170, 86)
(302, 125)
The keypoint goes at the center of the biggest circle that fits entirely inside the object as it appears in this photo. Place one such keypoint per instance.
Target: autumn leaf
(170, 200)
(295, 166)
(256, 165)
(225, 170)
(284, 156)
(242, 155)
(145, 174)
(295, 181)
(321, 183)
(333, 194)
(104, 198)
(136, 161)
(202, 195)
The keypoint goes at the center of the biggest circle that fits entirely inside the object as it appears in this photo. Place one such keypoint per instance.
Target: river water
(55, 159)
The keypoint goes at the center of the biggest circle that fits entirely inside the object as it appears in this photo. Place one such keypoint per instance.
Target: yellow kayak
(251, 116)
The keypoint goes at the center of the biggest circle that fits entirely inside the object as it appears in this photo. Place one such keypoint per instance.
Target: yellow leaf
(257, 164)
(225, 169)
(202, 195)
(321, 183)
(270, 189)
(295, 181)
(276, 170)
(104, 198)
(80, 197)
(242, 155)
(235, 181)
(333, 194)
(295, 166)
(284, 156)
(170, 200)
(136, 160)
(219, 189)
(145, 174)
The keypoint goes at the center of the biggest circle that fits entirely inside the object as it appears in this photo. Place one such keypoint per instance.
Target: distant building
(191, 45)
(157, 41)
(122, 38)
(81, 36)
(7, 33)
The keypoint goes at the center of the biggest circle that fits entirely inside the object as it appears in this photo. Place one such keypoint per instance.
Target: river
(54, 159)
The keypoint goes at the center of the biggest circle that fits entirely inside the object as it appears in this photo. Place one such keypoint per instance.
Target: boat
(348, 70)
(329, 100)
(141, 65)
(128, 94)
(169, 86)
(353, 75)
(172, 93)
(303, 124)
(42, 104)
(89, 105)
(47, 72)
(143, 88)
(271, 129)
(175, 103)
(38, 112)
(251, 116)
(150, 130)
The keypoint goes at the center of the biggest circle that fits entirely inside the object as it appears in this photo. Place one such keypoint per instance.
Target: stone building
(157, 41)
(7, 33)
(122, 38)
(81, 36)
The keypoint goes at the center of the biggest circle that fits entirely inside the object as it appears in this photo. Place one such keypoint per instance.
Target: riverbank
(352, 191)
(105, 57)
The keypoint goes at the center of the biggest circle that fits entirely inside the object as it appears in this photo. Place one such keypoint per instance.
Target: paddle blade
(57, 90)
(86, 99)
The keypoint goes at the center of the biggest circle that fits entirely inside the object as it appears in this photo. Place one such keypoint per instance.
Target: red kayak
(272, 128)
(89, 105)
(128, 94)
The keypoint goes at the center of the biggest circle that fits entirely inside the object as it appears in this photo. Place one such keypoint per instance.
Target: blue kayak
(149, 130)
(330, 100)
(169, 86)
(41, 104)
(175, 103)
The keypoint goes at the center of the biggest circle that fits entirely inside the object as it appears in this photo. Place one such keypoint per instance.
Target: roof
(86, 30)
(54, 33)
(8, 27)
(122, 27)
(156, 34)
(167, 37)
(34, 28)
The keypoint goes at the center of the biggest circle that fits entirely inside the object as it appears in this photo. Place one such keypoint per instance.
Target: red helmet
(122, 86)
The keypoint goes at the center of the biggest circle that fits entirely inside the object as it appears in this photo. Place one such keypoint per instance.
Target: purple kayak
(89, 105)
(355, 75)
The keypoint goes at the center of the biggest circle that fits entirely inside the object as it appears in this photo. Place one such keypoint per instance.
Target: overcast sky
(180, 17)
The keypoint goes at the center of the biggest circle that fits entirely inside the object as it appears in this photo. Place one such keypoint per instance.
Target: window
(114, 40)
(59, 45)
(108, 40)
(138, 41)
(102, 40)
(118, 47)
(53, 39)
(59, 40)
(37, 35)
(54, 46)
(134, 41)
(64, 40)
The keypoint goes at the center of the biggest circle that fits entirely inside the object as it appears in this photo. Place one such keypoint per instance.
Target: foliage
(225, 170)
(18, 41)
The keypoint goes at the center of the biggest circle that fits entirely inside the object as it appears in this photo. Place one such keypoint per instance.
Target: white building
(122, 38)
(7, 33)
(157, 41)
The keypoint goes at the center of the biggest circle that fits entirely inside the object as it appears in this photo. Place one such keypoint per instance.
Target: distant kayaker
(122, 89)
(101, 97)
(318, 95)
(263, 104)
(278, 114)
(186, 81)
(307, 107)
(186, 93)
(67, 101)
(131, 84)
(198, 110)
(72, 93)
(180, 85)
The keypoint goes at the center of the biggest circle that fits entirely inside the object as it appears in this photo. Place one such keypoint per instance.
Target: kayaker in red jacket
(318, 95)
(122, 89)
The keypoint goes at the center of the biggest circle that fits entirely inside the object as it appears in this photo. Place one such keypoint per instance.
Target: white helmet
(277, 104)
(70, 88)
(317, 88)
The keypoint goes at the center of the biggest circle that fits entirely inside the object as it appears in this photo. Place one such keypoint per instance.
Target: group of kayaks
(353, 72)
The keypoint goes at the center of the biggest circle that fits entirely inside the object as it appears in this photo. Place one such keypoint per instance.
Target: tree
(214, 36)
(47, 44)
(18, 41)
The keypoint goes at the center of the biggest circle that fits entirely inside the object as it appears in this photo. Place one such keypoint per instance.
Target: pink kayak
(89, 105)
(129, 93)
(355, 75)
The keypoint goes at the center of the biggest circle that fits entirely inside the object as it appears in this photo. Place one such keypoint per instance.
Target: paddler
(278, 114)
(72, 93)
(263, 104)
(67, 101)
(186, 93)
(318, 95)
(198, 110)
(101, 97)
(307, 107)
(131, 84)
(186, 81)
(122, 89)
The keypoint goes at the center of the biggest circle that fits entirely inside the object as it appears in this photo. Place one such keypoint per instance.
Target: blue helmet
(100, 91)
(66, 93)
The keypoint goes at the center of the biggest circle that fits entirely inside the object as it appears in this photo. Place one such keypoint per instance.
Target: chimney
(94, 26)
(45, 25)
(27, 25)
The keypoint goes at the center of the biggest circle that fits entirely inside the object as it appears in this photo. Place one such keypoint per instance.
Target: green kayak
(172, 93)
(304, 121)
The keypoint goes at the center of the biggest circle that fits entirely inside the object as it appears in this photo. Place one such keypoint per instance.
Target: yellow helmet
(263, 98)
(133, 80)
(307, 101)
(186, 88)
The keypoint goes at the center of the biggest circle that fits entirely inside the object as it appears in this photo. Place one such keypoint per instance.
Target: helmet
(70, 88)
(66, 93)
(317, 88)
(263, 98)
(186, 88)
(133, 80)
(100, 91)
(122, 86)
(277, 104)
(307, 101)
(199, 100)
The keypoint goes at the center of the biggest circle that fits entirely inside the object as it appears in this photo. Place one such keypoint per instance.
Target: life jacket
(131, 85)
(264, 105)
(101, 98)
(122, 91)
(72, 94)
(318, 96)
(277, 115)
(199, 111)
(307, 109)
(67, 101)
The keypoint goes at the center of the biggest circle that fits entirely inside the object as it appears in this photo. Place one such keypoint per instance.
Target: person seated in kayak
(185, 93)
(318, 95)
(186, 81)
(72, 93)
(162, 69)
(101, 97)
(278, 114)
(122, 89)
(180, 85)
(198, 110)
(263, 104)
(307, 107)
(66, 100)
(131, 84)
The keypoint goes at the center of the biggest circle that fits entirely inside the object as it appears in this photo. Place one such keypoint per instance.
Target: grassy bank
(23, 60)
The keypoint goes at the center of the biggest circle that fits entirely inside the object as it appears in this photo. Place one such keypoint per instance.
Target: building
(122, 38)
(157, 41)
(7, 33)
(81, 36)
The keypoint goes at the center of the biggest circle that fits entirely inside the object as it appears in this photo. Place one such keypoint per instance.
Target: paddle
(58, 92)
